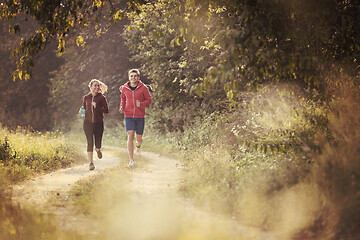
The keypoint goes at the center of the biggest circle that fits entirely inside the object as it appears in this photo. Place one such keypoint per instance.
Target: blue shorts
(136, 124)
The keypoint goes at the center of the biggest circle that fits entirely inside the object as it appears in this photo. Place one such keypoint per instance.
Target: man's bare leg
(139, 141)
(130, 145)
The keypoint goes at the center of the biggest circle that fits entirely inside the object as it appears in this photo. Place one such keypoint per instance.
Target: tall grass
(24, 154)
(337, 172)
(287, 163)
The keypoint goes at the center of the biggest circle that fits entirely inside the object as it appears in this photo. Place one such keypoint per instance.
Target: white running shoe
(131, 163)
(138, 150)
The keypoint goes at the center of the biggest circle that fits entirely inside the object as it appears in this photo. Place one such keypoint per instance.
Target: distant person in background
(95, 105)
(135, 97)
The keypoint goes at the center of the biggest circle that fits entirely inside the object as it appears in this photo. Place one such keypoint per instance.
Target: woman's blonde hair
(103, 87)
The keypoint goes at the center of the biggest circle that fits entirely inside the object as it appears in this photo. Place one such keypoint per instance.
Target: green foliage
(267, 41)
(199, 45)
(175, 61)
(269, 130)
(278, 119)
(192, 51)
(159, 39)
(205, 131)
(211, 179)
(238, 45)
(55, 20)
(314, 181)
(5, 150)
(24, 154)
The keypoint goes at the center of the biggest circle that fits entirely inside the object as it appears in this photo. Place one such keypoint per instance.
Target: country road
(152, 207)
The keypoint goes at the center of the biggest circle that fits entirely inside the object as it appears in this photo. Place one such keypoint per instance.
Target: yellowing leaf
(98, 3)
(118, 15)
(230, 94)
(172, 43)
(61, 46)
(80, 41)
(71, 23)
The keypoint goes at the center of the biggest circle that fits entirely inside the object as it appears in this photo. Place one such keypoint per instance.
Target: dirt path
(153, 208)
(38, 190)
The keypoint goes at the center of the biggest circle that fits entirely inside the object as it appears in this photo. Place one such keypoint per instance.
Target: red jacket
(95, 114)
(129, 97)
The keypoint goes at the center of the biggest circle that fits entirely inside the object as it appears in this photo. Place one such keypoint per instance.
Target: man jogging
(135, 97)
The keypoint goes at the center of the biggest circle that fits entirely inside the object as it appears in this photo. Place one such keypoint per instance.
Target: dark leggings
(93, 130)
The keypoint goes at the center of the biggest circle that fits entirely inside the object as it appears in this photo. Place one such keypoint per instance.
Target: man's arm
(147, 96)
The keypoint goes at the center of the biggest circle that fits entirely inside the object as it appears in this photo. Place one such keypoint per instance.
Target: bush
(6, 153)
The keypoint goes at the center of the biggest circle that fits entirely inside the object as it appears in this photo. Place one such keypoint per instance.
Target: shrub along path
(152, 208)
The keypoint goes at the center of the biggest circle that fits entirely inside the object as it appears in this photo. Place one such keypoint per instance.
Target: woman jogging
(135, 97)
(95, 105)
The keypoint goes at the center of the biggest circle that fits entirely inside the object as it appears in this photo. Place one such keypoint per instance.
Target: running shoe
(138, 149)
(99, 154)
(131, 163)
(91, 166)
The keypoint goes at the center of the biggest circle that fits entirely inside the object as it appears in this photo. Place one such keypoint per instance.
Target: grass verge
(290, 169)
(24, 154)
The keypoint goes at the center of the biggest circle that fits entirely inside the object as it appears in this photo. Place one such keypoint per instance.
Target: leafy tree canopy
(56, 18)
(189, 45)
(238, 44)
